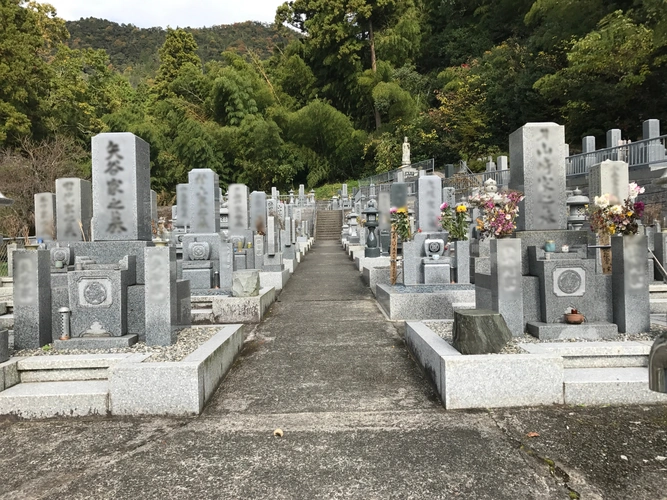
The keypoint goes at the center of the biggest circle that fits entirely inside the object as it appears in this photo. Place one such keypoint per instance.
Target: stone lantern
(353, 233)
(372, 249)
(291, 196)
(577, 213)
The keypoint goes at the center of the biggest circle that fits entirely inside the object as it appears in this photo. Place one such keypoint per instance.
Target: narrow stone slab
(64, 375)
(4, 345)
(70, 361)
(589, 348)
(562, 331)
(602, 386)
(56, 399)
(89, 343)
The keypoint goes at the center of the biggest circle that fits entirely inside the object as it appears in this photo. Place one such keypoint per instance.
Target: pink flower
(393, 210)
(444, 206)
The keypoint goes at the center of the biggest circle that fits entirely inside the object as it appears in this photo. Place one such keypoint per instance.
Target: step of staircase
(602, 386)
(7, 321)
(68, 367)
(658, 306)
(56, 399)
(595, 354)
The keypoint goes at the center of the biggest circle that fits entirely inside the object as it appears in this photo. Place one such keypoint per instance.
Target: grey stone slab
(413, 251)
(424, 302)
(258, 211)
(479, 331)
(160, 295)
(45, 216)
(537, 156)
(64, 375)
(74, 205)
(428, 349)
(9, 373)
(563, 331)
(32, 299)
(98, 300)
(630, 283)
(71, 361)
(609, 177)
(200, 279)
(274, 279)
(121, 188)
(89, 343)
(376, 275)
(461, 261)
(495, 381)
(589, 349)
(204, 201)
(56, 399)
(506, 283)
(184, 302)
(609, 386)
(532, 310)
(238, 206)
(398, 195)
(245, 283)
(437, 273)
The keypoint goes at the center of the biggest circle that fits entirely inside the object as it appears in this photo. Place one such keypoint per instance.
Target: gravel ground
(444, 331)
(188, 341)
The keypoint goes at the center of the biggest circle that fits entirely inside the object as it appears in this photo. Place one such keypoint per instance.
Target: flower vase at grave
(630, 283)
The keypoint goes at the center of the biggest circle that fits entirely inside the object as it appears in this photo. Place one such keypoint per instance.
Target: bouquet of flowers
(621, 218)
(499, 212)
(454, 220)
(400, 220)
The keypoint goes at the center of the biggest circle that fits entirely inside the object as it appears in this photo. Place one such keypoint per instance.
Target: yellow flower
(461, 209)
(402, 210)
(629, 214)
(612, 229)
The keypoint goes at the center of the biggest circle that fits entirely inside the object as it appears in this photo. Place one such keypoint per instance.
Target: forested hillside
(134, 51)
(456, 77)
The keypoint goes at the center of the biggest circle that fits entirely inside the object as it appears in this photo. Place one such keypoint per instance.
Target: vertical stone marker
(258, 211)
(609, 177)
(121, 188)
(537, 156)
(399, 195)
(183, 203)
(74, 206)
(506, 282)
(154, 216)
(630, 282)
(45, 216)
(204, 201)
(238, 207)
(429, 189)
(161, 295)
(32, 299)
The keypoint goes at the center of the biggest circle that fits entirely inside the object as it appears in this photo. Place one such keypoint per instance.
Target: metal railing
(650, 153)
(392, 176)
(465, 183)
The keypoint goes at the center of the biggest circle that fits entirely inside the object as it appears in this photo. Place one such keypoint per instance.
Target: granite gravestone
(399, 195)
(238, 207)
(258, 211)
(121, 188)
(74, 209)
(630, 284)
(449, 196)
(204, 201)
(609, 177)
(161, 296)
(537, 154)
(154, 215)
(506, 282)
(45, 216)
(183, 203)
(32, 299)
(430, 199)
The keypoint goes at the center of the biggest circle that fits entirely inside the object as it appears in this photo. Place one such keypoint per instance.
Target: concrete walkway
(359, 421)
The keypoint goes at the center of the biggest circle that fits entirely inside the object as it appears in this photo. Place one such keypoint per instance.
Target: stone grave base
(291, 265)
(362, 262)
(117, 384)
(564, 331)
(591, 373)
(354, 248)
(274, 279)
(422, 302)
(374, 276)
(221, 309)
(88, 343)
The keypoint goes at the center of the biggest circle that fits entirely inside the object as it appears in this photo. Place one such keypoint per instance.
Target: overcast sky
(174, 13)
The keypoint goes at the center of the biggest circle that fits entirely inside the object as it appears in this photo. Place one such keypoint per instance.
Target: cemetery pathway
(359, 421)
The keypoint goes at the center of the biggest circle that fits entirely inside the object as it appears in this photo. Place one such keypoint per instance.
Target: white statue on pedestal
(406, 152)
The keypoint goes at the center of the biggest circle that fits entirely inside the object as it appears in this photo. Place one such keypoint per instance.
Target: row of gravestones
(119, 285)
(510, 272)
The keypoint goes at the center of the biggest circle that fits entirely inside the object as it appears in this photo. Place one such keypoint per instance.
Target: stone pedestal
(200, 274)
(461, 261)
(630, 283)
(437, 272)
(506, 283)
(32, 299)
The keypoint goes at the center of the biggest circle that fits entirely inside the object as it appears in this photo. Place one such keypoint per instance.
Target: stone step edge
(589, 349)
(72, 361)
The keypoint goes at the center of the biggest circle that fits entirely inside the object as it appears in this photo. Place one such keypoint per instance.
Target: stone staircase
(603, 372)
(329, 225)
(59, 385)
